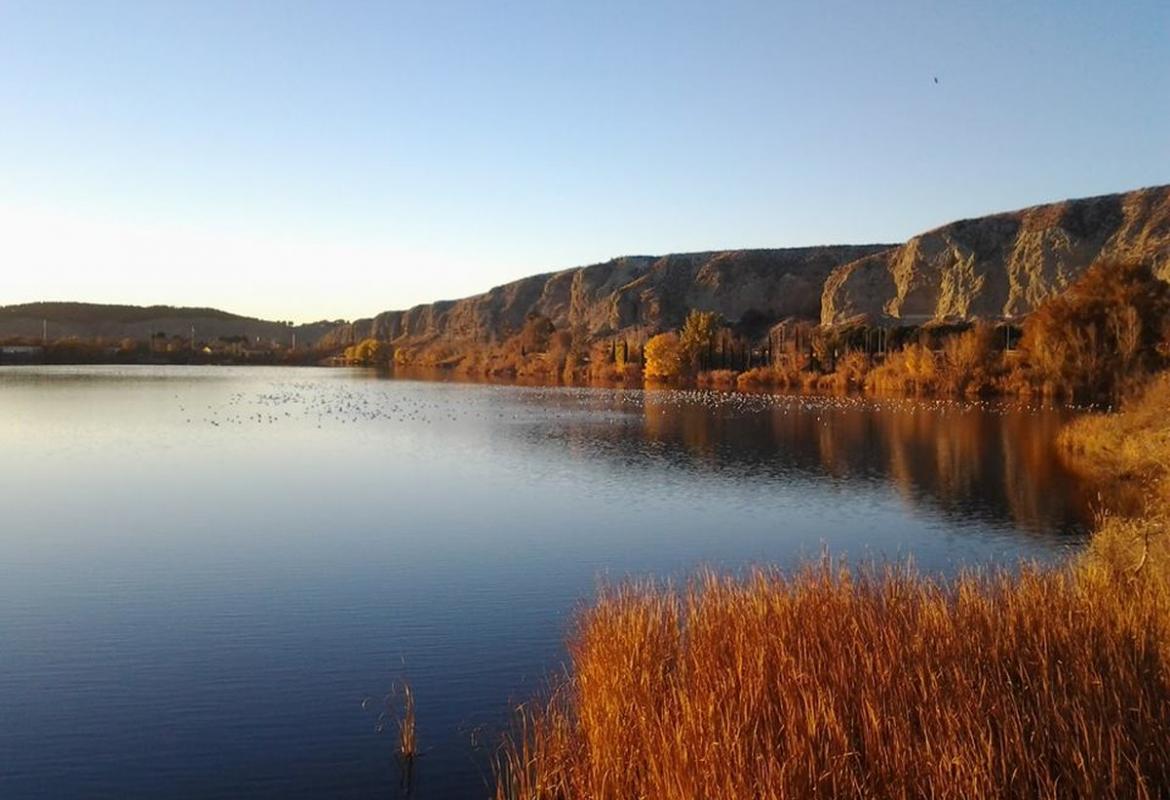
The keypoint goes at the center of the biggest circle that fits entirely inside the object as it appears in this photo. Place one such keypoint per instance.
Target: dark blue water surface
(204, 571)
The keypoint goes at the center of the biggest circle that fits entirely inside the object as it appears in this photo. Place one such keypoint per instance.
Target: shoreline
(822, 682)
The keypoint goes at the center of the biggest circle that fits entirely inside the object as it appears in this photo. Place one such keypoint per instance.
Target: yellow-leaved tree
(369, 352)
(664, 357)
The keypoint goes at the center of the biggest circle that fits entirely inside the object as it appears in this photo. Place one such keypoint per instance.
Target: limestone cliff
(642, 293)
(1002, 265)
(998, 266)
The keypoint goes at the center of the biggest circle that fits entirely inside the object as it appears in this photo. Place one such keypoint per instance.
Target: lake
(204, 571)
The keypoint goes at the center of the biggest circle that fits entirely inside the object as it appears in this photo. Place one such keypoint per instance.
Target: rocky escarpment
(1000, 266)
(994, 267)
(639, 292)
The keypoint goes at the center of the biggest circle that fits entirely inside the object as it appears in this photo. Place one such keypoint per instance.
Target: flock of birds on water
(331, 402)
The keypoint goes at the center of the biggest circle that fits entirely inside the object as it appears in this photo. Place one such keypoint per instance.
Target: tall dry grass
(836, 684)
(717, 379)
(1130, 449)
(1133, 444)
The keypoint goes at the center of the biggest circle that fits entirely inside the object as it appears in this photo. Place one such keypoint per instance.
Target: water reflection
(993, 460)
(988, 461)
(206, 569)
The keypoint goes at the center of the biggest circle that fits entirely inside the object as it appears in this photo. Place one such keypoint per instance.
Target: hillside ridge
(997, 266)
(630, 293)
(1003, 265)
(65, 319)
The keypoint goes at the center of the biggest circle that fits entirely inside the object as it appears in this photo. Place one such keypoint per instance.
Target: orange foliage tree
(1103, 334)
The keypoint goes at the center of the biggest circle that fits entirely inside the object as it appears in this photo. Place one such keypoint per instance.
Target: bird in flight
(936, 79)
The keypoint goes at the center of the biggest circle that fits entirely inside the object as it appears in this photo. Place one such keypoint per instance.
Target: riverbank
(883, 682)
(1130, 450)
(1092, 343)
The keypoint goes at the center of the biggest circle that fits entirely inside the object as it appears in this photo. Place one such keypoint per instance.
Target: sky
(296, 160)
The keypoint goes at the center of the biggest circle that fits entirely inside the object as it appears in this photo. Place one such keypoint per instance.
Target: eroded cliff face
(992, 267)
(643, 293)
(1002, 265)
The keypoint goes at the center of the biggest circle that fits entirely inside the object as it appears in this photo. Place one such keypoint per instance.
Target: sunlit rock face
(643, 293)
(999, 266)
(1002, 265)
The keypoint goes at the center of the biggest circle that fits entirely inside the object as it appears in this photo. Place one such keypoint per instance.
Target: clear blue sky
(305, 160)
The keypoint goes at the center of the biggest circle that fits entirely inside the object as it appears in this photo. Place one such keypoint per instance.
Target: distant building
(21, 354)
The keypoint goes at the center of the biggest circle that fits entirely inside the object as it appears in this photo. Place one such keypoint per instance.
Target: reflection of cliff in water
(969, 462)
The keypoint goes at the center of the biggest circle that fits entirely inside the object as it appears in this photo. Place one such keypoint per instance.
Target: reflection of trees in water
(963, 461)
(974, 460)
(944, 455)
(695, 427)
(966, 462)
(1034, 470)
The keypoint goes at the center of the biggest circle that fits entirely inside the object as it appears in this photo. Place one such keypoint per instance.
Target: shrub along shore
(837, 682)
(1093, 342)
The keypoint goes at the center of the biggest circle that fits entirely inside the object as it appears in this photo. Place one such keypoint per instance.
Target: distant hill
(92, 320)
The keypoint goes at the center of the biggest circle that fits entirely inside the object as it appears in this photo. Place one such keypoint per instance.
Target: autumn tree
(368, 352)
(969, 359)
(1103, 333)
(664, 356)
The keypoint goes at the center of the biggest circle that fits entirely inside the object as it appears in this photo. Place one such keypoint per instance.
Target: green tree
(698, 334)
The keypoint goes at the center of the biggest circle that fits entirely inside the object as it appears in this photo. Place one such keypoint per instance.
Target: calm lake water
(203, 571)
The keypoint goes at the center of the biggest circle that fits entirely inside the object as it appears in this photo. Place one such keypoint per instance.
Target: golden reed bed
(837, 684)
(881, 683)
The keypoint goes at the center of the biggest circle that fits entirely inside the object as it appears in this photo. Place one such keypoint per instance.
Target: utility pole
(44, 332)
